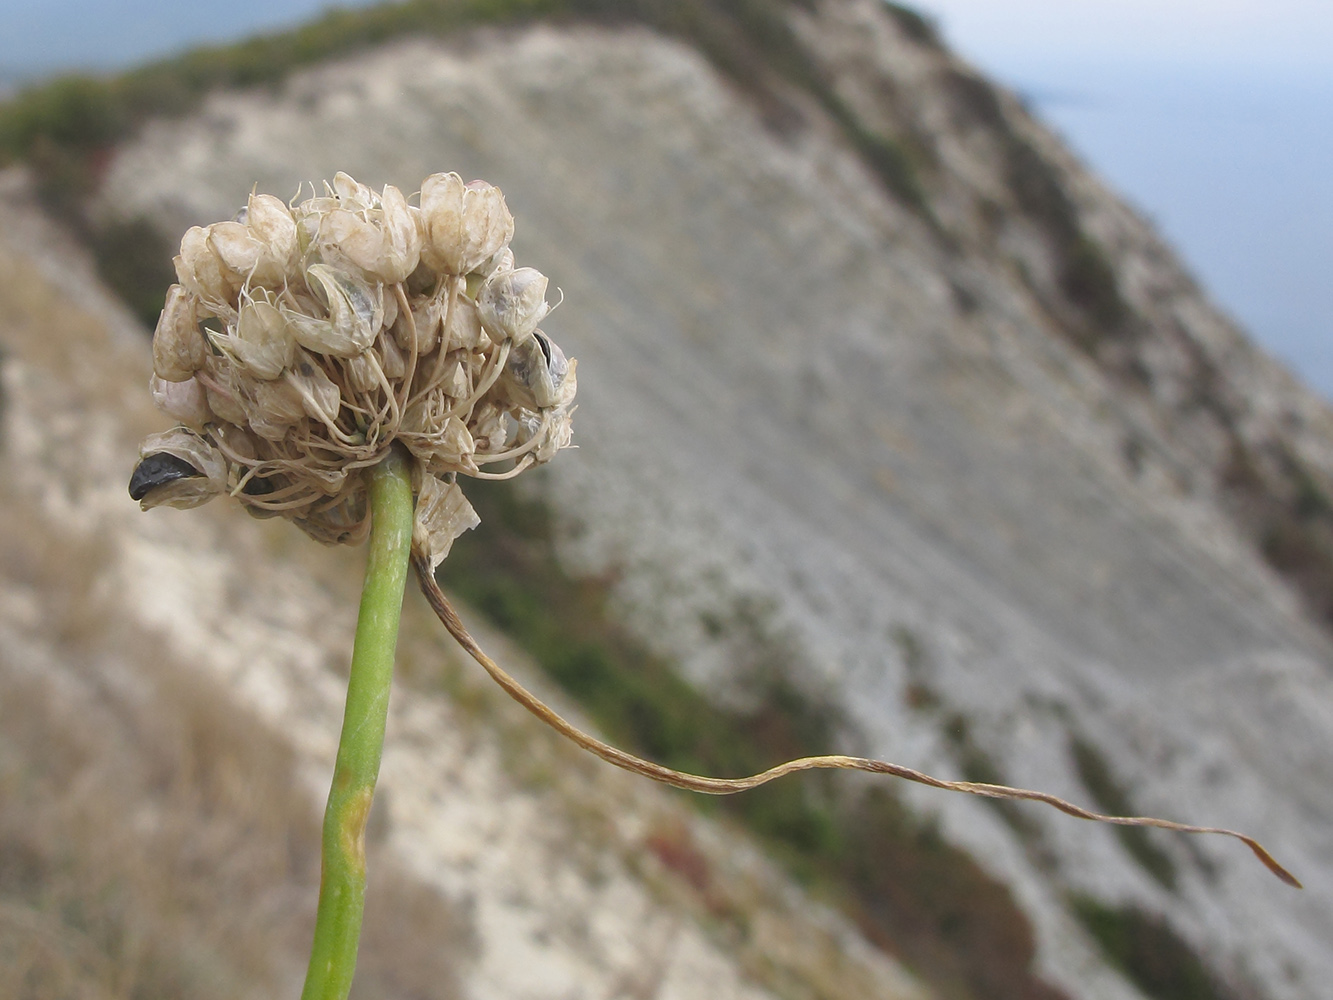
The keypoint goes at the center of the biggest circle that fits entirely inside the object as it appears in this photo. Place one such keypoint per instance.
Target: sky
(1214, 117)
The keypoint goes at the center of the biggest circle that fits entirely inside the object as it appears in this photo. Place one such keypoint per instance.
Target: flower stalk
(342, 887)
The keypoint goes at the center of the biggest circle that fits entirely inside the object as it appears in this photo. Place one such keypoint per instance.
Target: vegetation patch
(851, 840)
(1158, 960)
(134, 260)
(1111, 798)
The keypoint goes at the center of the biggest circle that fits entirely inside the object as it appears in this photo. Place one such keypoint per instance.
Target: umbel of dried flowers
(303, 340)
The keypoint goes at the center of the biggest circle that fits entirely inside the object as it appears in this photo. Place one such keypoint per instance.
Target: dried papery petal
(443, 513)
(271, 222)
(356, 312)
(402, 236)
(226, 399)
(319, 394)
(261, 342)
(363, 373)
(279, 405)
(465, 224)
(392, 362)
(348, 236)
(537, 376)
(464, 328)
(177, 468)
(185, 401)
(512, 303)
(390, 308)
(351, 193)
(200, 271)
(178, 345)
(243, 256)
(456, 382)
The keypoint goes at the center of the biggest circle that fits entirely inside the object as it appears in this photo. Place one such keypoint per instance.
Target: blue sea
(1236, 172)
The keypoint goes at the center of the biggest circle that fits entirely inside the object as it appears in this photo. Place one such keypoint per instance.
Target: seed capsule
(512, 303)
(465, 224)
(537, 375)
(177, 468)
(178, 346)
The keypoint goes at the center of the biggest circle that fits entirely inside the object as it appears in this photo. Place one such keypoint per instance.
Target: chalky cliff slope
(898, 433)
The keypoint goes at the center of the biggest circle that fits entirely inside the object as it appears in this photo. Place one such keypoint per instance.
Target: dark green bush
(1158, 960)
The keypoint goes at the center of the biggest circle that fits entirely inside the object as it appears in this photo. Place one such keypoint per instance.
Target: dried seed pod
(489, 427)
(554, 431)
(178, 345)
(271, 222)
(351, 193)
(261, 342)
(537, 375)
(319, 394)
(245, 258)
(402, 237)
(177, 468)
(348, 236)
(355, 314)
(201, 273)
(442, 514)
(279, 405)
(185, 402)
(512, 303)
(465, 224)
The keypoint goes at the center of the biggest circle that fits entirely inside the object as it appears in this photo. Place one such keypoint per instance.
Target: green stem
(342, 887)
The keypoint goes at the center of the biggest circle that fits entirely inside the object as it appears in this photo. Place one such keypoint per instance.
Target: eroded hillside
(887, 408)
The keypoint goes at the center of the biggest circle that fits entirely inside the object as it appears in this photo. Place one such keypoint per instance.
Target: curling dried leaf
(729, 786)
(442, 514)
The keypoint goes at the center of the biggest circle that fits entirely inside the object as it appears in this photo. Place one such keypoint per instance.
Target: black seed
(544, 345)
(258, 487)
(158, 470)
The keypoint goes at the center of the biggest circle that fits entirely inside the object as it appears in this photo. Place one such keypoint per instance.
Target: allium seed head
(301, 342)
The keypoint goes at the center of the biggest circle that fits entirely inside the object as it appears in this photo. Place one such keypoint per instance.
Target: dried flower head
(303, 340)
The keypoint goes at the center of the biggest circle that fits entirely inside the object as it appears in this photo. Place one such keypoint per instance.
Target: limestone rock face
(979, 441)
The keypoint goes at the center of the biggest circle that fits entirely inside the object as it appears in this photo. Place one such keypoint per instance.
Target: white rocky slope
(792, 391)
(558, 877)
